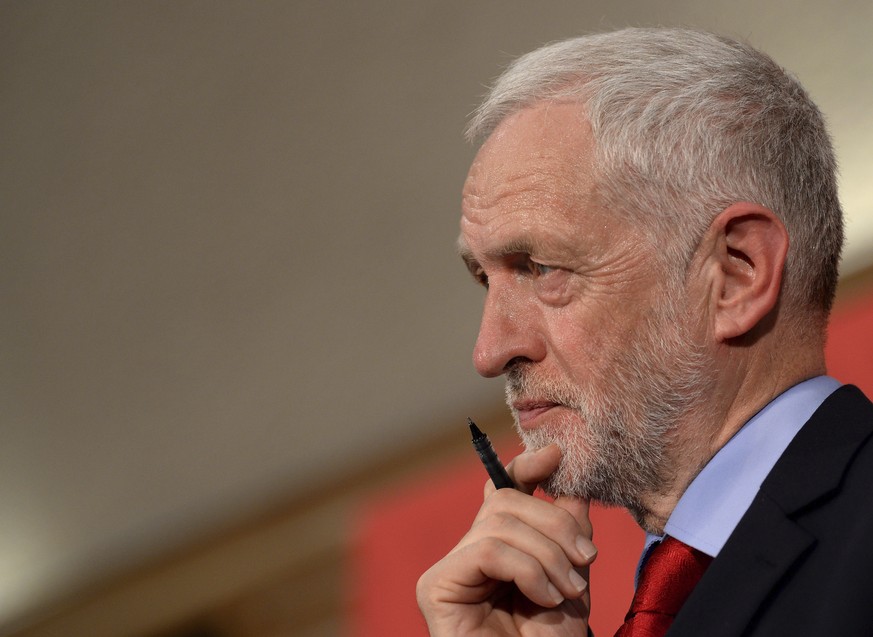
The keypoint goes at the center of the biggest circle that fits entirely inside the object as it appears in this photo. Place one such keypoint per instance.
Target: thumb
(532, 467)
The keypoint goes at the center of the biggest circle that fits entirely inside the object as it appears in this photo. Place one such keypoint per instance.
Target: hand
(522, 569)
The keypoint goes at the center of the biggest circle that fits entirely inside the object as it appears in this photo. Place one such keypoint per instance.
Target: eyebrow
(516, 246)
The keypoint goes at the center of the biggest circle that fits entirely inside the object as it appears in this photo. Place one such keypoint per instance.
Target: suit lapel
(760, 551)
(768, 539)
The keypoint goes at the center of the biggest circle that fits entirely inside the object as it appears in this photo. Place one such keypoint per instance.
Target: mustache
(523, 383)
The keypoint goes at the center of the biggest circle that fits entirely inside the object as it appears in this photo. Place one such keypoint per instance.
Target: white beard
(616, 433)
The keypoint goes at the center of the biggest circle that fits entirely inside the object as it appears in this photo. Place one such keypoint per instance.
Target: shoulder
(826, 449)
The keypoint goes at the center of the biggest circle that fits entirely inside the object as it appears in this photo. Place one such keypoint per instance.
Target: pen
(489, 458)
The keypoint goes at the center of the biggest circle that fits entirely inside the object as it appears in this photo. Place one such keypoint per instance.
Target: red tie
(669, 575)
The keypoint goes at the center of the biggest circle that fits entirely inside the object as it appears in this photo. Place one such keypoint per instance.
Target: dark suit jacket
(800, 562)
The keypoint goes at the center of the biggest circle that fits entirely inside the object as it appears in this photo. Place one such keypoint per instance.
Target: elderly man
(654, 218)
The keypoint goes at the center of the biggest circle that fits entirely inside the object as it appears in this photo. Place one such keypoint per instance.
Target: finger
(559, 561)
(468, 575)
(527, 470)
(553, 523)
(579, 509)
(530, 468)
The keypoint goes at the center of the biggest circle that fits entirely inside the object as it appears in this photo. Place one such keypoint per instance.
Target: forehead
(533, 176)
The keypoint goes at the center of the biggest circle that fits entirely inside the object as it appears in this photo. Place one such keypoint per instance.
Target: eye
(480, 276)
(538, 269)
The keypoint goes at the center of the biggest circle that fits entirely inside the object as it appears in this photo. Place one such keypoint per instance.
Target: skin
(568, 286)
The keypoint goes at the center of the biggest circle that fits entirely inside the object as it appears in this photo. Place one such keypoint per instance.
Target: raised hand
(522, 568)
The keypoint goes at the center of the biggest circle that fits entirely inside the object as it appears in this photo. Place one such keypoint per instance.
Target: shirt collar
(711, 507)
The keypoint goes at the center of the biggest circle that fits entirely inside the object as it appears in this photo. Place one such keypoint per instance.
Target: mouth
(528, 411)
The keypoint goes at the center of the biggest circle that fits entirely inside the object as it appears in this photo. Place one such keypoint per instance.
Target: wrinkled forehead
(546, 130)
(538, 163)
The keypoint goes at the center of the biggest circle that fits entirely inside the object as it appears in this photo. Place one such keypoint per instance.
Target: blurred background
(235, 337)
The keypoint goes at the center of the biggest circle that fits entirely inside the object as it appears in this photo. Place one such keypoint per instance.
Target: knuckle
(561, 525)
(490, 548)
(554, 561)
(493, 514)
(422, 587)
(531, 573)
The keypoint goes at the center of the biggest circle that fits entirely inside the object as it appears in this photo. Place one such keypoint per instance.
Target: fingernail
(577, 580)
(555, 594)
(586, 548)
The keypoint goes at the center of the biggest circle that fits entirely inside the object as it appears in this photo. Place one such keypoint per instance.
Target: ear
(748, 247)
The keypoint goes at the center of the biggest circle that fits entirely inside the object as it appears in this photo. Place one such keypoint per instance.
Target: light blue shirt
(711, 507)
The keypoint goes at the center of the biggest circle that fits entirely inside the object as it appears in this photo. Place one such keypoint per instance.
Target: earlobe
(749, 249)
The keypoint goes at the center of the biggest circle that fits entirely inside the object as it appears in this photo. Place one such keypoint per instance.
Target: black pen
(489, 458)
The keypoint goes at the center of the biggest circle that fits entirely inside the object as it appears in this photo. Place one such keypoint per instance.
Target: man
(653, 214)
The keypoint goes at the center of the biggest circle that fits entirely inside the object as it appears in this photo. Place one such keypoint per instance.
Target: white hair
(686, 123)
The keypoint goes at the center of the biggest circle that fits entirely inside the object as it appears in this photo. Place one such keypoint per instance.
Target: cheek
(576, 348)
(585, 347)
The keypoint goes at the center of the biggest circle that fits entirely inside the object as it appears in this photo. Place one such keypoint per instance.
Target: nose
(508, 333)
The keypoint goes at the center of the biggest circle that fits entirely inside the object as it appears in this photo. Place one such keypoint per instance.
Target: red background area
(405, 529)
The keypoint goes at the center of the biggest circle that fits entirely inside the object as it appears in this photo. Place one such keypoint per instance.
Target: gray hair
(686, 123)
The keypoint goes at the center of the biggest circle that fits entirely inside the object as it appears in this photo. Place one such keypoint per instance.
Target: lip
(527, 411)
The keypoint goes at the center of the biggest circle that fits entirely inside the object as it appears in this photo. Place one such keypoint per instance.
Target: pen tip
(477, 433)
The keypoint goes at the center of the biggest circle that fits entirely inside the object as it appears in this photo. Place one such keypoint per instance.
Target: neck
(737, 396)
